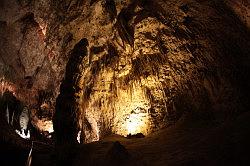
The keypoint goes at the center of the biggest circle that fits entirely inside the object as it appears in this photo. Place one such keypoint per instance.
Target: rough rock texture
(30, 68)
(68, 104)
(148, 61)
(242, 9)
(24, 57)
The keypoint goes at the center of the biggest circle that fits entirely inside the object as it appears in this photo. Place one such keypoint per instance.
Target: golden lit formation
(137, 123)
(132, 111)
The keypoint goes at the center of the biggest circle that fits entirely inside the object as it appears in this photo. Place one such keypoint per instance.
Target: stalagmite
(68, 105)
(24, 121)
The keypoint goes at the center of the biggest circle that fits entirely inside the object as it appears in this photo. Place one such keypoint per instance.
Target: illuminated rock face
(43, 123)
(148, 62)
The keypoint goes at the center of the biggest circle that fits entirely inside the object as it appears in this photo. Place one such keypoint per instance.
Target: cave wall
(25, 60)
(241, 9)
(30, 68)
(148, 62)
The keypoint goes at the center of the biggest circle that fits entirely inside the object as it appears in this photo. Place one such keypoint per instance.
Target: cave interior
(124, 82)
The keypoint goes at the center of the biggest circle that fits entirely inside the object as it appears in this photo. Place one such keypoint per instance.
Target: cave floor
(189, 142)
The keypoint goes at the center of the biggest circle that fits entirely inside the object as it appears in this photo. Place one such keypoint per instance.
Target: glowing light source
(137, 122)
(134, 124)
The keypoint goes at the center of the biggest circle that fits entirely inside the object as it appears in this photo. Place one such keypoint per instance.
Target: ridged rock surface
(149, 62)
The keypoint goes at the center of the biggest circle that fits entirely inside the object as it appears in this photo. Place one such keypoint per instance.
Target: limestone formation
(148, 62)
